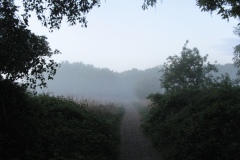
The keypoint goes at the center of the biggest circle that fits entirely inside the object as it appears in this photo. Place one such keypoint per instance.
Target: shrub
(45, 127)
(196, 124)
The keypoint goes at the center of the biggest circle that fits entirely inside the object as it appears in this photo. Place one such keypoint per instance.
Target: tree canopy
(189, 70)
(24, 55)
(225, 8)
(51, 13)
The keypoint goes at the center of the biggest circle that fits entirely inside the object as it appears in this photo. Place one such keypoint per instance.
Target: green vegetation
(24, 55)
(197, 121)
(189, 70)
(194, 124)
(44, 127)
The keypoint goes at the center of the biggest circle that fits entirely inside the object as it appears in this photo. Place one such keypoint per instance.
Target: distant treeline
(82, 80)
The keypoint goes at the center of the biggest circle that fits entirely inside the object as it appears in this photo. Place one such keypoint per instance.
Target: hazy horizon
(79, 80)
(126, 69)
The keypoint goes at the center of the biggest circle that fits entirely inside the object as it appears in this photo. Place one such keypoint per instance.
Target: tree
(73, 10)
(24, 55)
(225, 8)
(236, 53)
(190, 70)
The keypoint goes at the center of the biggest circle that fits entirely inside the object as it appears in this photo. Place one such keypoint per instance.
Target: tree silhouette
(24, 55)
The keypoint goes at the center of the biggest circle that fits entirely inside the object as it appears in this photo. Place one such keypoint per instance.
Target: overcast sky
(121, 36)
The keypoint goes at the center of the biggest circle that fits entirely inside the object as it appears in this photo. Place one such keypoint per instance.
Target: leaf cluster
(225, 8)
(148, 3)
(51, 13)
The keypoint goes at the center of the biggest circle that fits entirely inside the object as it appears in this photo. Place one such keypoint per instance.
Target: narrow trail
(134, 145)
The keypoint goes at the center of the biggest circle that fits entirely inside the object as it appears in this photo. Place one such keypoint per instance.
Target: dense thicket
(44, 127)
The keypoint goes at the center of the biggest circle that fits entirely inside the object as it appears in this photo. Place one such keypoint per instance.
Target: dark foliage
(196, 124)
(199, 119)
(24, 55)
(43, 127)
(13, 102)
(225, 8)
(74, 11)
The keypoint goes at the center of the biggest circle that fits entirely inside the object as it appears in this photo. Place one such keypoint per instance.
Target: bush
(196, 124)
(13, 121)
(43, 127)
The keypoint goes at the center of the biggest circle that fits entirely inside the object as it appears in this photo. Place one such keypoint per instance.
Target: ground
(135, 146)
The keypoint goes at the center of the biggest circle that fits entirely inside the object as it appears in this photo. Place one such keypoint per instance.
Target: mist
(78, 80)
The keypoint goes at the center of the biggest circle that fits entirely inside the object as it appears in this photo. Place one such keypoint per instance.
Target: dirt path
(134, 145)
